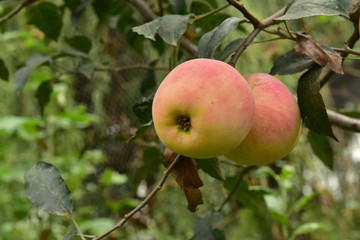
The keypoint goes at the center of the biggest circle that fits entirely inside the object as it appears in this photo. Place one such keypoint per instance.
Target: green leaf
(43, 94)
(170, 28)
(77, 8)
(152, 159)
(109, 176)
(148, 29)
(80, 43)
(4, 72)
(21, 75)
(290, 63)
(46, 17)
(142, 110)
(24, 127)
(303, 201)
(352, 114)
(307, 8)
(311, 104)
(205, 227)
(211, 40)
(72, 4)
(277, 207)
(96, 226)
(212, 167)
(322, 148)
(45, 187)
(102, 8)
(148, 83)
(251, 198)
(87, 69)
(140, 131)
(229, 49)
(72, 53)
(305, 228)
(199, 7)
(77, 117)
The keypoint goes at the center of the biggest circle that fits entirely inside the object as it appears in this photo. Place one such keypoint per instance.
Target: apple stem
(184, 123)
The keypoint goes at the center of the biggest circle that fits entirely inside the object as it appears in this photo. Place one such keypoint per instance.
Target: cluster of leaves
(306, 55)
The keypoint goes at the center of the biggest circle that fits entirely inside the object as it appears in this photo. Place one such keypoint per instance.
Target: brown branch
(144, 9)
(161, 7)
(231, 163)
(256, 22)
(279, 33)
(131, 67)
(243, 172)
(199, 17)
(345, 122)
(263, 24)
(16, 10)
(143, 203)
(348, 50)
(354, 17)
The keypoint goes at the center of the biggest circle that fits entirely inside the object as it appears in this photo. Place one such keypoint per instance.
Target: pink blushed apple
(276, 127)
(203, 108)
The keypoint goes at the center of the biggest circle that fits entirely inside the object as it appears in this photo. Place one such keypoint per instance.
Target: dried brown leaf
(306, 45)
(187, 177)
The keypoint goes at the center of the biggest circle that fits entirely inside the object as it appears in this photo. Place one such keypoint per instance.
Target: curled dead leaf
(187, 177)
(306, 45)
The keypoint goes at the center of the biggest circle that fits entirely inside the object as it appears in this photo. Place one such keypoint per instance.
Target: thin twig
(144, 10)
(131, 67)
(345, 122)
(233, 190)
(350, 43)
(280, 34)
(231, 163)
(243, 46)
(143, 203)
(161, 8)
(288, 30)
(77, 228)
(347, 50)
(199, 17)
(245, 12)
(263, 24)
(16, 10)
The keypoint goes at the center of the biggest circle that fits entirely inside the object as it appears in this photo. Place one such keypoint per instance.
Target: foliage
(77, 79)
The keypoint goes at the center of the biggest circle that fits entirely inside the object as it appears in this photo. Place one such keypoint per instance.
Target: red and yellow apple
(203, 108)
(276, 126)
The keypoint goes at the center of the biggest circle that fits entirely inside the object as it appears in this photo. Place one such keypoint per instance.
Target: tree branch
(259, 27)
(143, 203)
(16, 10)
(245, 12)
(347, 50)
(243, 172)
(354, 17)
(343, 121)
(197, 18)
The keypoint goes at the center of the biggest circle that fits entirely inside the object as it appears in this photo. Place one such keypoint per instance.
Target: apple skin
(203, 108)
(276, 126)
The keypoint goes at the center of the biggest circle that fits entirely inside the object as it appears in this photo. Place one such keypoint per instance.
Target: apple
(276, 126)
(203, 108)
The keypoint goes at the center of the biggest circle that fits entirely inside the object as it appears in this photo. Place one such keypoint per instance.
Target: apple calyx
(184, 123)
